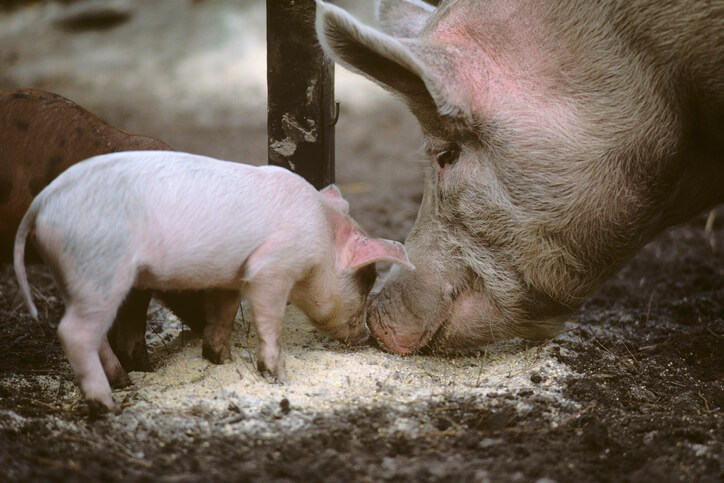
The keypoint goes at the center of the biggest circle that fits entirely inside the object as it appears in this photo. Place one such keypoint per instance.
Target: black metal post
(300, 90)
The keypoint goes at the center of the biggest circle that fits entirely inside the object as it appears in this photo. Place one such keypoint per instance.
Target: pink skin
(113, 224)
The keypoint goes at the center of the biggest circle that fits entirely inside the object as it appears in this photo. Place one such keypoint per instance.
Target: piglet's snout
(362, 338)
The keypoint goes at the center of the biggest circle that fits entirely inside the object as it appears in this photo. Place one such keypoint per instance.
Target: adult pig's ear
(333, 194)
(418, 71)
(403, 18)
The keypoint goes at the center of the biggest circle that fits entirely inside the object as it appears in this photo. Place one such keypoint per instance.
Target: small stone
(285, 406)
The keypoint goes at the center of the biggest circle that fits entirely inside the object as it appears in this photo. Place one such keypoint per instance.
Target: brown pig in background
(41, 135)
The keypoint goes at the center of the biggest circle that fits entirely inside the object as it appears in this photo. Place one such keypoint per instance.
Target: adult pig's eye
(448, 156)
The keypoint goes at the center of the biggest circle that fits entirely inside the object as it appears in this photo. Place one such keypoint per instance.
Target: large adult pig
(561, 137)
(41, 135)
(174, 221)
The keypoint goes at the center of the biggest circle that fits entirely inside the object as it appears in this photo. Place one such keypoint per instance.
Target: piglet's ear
(371, 250)
(333, 194)
(355, 250)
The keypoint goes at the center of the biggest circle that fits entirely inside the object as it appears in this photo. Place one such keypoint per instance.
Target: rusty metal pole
(300, 90)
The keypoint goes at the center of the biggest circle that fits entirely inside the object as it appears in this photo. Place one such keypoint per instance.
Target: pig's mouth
(388, 339)
(464, 318)
(396, 338)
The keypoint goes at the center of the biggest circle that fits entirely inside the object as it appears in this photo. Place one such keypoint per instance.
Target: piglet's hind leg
(221, 308)
(81, 336)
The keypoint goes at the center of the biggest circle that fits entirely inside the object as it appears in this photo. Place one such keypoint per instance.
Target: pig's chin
(392, 340)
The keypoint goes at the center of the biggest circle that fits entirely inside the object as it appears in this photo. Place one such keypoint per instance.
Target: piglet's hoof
(273, 376)
(97, 410)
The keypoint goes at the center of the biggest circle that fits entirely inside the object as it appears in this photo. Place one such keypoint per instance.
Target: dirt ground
(632, 391)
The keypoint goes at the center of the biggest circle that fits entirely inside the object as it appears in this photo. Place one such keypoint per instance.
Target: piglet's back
(166, 209)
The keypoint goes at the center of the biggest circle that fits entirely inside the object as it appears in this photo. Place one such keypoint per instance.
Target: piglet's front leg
(268, 301)
(221, 308)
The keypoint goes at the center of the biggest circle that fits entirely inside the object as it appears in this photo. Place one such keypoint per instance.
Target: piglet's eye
(448, 156)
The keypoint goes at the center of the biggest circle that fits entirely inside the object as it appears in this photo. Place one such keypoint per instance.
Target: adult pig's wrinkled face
(487, 268)
(536, 189)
